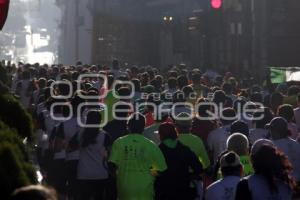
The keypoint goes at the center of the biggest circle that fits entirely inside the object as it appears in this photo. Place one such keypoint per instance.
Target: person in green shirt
(183, 126)
(239, 143)
(136, 160)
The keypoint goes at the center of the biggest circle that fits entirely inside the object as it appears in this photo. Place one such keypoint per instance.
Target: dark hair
(286, 111)
(203, 108)
(90, 134)
(256, 97)
(272, 164)
(26, 75)
(228, 113)
(137, 84)
(136, 123)
(34, 192)
(110, 80)
(182, 81)
(196, 78)
(172, 83)
(178, 97)
(239, 127)
(188, 91)
(267, 117)
(219, 97)
(227, 88)
(167, 131)
(120, 110)
(293, 90)
(276, 100)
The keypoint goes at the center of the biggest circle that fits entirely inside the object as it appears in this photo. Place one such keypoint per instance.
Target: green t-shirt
(248, 169)
(109, 101)
(196, 145)
(136, 158)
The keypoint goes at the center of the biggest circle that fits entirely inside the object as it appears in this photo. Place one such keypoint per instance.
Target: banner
(281, 74)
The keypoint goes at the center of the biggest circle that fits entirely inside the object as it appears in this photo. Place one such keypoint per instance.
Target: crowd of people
(144, 133)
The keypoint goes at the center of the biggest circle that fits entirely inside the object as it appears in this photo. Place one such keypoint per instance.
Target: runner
(135, 160)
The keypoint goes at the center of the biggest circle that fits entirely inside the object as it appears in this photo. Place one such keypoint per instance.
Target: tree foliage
(15, 116)
(15, 168)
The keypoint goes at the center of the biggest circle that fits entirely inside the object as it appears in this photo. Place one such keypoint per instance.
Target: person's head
(219, 97)
(276, 100)
(42, 82)
(273, 165)
(26, 75)
(137, 85)
(231, 165)
(278, 128)
(203, 107)
(228, 116)
(239, 104)
(122, 110)
(90, 134)
(167, 131)
(183, 122)
(134, 71)
(178, 97)
(260, 119)
(293, 90)
(115, 64)
(63, 89)
(76, 101)
(182, 81)
(238, 143)
(227, 88)
(145, 79)
(196, 78)
(110, 81)
(136, 123)
(188, 92)
(256, 97)
(239, 127)
(172, 82)
(34, 192)
(286, 111)
(124, 92)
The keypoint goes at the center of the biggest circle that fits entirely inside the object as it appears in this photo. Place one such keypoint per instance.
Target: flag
(281, 75)
(4, 6)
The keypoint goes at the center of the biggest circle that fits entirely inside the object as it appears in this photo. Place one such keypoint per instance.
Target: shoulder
(214, 187)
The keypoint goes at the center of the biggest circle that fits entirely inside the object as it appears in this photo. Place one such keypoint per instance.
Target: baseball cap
(259, 143)
(230, 159)
(183, 119)
(239, 127)
(278, 123)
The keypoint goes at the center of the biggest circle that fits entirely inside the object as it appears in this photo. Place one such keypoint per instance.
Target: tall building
(76, 31)
(156, 32)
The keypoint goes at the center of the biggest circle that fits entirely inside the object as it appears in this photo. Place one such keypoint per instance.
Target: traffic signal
(216, 4)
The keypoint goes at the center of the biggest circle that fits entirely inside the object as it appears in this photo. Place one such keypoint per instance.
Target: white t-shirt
(256, 134)
(223, 189)
(50, 124)
(217, 139)
(260, 189)
(297, 116)
(71, 127)
(291, 148)
(91, 160)
(293, 128)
